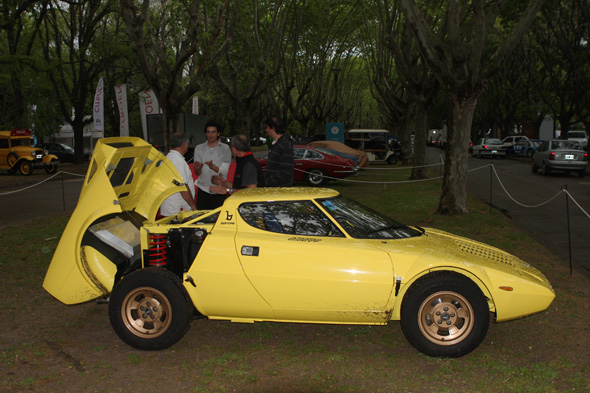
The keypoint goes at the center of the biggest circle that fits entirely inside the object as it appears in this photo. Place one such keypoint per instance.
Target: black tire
(445, 315)
(51, 168)
(392, 159)
(534, 168)
(11, 160)
(316, 177)
(150, 310)
(545, 170)
(25, 168)
(529, 153)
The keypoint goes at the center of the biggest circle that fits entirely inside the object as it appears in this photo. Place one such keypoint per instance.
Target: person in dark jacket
(281, 163)
(248, 172)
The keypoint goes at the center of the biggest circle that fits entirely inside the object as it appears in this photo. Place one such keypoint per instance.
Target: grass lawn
(47, 346)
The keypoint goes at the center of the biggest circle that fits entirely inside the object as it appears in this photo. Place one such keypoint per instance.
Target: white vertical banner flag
(121, 93)
(195, 105)
(98, 107)
(148, 104)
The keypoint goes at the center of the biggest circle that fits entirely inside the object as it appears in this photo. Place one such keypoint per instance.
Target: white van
(375, 143)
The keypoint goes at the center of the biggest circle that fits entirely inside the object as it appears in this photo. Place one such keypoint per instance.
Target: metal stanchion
(569, 235)
(491, 183)
(63, 193)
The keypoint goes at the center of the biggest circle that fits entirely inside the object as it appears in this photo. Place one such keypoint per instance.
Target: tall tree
(73, 64)
(418, 82)
(561, 40)
(20, 22)
(462, 56)
(176, 42)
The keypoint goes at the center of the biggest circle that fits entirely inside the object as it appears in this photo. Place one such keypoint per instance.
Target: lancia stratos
(306, 255)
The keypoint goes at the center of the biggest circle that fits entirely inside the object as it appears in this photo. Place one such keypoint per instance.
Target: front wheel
(149, 309)
(445, 315)
(26, 168)
(316, 177)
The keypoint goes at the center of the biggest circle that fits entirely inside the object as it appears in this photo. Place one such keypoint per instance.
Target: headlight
(45, 152)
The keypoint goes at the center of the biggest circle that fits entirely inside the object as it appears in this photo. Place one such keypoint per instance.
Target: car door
(306, 269)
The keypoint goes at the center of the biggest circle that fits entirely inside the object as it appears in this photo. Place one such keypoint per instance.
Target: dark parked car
(63, 152)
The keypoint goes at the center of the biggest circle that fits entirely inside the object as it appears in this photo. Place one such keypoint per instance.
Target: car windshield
(362, 222)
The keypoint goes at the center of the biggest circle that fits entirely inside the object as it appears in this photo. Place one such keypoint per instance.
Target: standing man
(183, 200)
(212, 158)
(281, 163)
(248, 172)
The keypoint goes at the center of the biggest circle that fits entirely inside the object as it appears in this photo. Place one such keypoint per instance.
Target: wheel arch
(403, 289)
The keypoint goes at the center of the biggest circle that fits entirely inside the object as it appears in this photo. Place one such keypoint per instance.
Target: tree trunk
(454, 189)
(419, 158)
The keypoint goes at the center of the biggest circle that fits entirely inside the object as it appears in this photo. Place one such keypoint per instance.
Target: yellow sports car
(268, 254)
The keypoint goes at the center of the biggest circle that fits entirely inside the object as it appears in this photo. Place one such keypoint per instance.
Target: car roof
(282, 194)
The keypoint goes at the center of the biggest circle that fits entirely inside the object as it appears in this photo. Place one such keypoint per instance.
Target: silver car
(560, 155)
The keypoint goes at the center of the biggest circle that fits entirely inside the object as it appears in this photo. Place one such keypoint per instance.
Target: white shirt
(221, 157)
(175, 202)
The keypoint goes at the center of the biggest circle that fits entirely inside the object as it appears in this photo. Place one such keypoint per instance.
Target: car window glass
(3, 143)
(313, 155)
(364, 223)
(294, 218)
(298, 153)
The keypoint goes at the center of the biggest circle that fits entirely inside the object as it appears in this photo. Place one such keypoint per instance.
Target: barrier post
(491, 182)
(569, 235)
(63, 193)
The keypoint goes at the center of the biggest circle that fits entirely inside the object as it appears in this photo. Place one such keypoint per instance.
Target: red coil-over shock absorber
(157, 250)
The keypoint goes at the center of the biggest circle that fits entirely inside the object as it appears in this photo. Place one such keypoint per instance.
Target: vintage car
(317, 167)
(17, 153)
(274, 254)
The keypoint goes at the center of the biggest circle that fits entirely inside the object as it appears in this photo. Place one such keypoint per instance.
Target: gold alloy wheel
(146, 312)
(446, 318)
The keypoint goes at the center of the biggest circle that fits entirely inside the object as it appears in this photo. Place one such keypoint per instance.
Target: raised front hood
(125, 175)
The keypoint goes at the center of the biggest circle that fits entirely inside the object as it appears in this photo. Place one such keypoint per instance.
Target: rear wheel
(316, 177)
(445, 315)
(529, 153)
(582, 173)
(26, 168)
(534, 168)
(149, 309)
(12, 159)
(545, 169)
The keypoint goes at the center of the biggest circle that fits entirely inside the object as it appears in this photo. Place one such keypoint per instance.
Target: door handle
(251, 251)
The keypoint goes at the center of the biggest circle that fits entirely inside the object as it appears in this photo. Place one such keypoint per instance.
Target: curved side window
(301, 218)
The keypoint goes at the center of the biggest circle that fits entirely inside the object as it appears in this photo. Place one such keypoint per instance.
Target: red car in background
(317, 167)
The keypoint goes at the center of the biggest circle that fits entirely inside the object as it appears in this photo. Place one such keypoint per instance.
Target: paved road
(548, 224)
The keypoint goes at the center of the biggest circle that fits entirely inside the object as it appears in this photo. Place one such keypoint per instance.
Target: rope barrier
(41, 182)
(517, 202)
